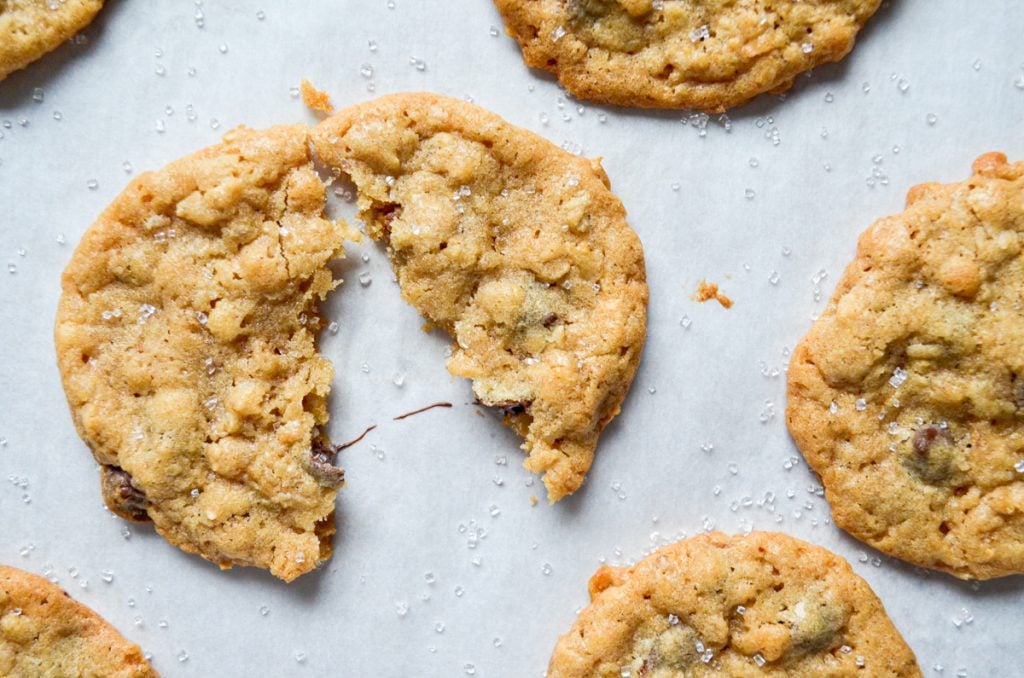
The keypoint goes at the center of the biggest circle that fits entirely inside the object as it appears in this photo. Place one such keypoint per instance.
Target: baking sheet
(441, 565)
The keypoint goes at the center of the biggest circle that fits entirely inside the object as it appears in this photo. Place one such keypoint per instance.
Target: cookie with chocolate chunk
(709, 55)
(31, 28)
(186, 341)
(764, 604)
(907, 394)
(43, 632)
(518, 250)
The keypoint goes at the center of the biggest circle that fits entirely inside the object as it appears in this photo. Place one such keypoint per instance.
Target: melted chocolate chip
(387, 213)
(932, 455)
(121, 496)
(549, 320)
(511, 408)
(818, 629)
(650, 663)
(925, 437)
(321, 465)
(673, 652)
(421, 410)
(1018, 393)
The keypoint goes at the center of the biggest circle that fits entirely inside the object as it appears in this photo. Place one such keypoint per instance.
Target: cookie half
(31, 28)
(43, 632)
(186, 342)
(761, 605)
(684, 53)
(518, 250)
(907, 394)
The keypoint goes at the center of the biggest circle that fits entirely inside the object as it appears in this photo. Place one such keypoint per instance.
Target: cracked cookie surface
(764, 604)
(186, 342)
(709, 54)
(514, 247)
(907, 395)
(31, 28)
(43, 632)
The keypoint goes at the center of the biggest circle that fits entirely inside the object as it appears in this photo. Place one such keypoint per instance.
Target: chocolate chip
(925, 437)
(121, 496)
(650, 663)
(511, 408)
(549, 320)
(387, 213)
(321, 464)
(1018, 393)
(673, 652)
(818, 629)
(933, 453)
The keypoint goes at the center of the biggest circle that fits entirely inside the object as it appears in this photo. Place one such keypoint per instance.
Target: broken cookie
(516, 248)
(186, 342)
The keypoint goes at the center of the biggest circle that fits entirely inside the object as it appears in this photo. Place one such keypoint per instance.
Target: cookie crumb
(533, 500)
(316, 99)
(709, 290)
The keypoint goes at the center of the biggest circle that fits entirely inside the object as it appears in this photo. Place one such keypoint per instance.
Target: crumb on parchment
(709, 290)
(316, 99)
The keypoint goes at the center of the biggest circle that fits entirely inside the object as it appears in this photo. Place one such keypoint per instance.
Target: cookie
(518, 250)
(761, 605)
(31, 28)
(907, 394)
(43, 632)
(186, 342)
(707, 55)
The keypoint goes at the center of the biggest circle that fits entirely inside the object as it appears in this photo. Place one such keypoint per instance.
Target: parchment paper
(441, 565)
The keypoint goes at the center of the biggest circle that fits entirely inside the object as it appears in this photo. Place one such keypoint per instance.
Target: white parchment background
(406, 518)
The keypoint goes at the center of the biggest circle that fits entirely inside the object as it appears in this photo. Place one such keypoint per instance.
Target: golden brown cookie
(186, 341)
(43, 632)
(518, 250)
(705, 54)
(907, 395)
(761, 605)
(31, 28)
